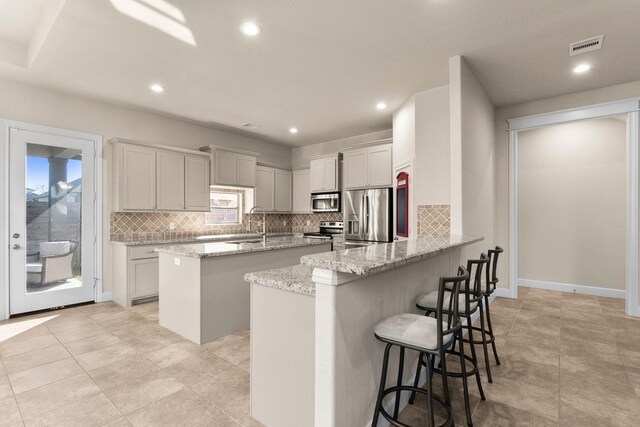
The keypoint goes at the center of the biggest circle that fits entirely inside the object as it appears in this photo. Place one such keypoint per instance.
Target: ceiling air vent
(585, 46)
(250, 126)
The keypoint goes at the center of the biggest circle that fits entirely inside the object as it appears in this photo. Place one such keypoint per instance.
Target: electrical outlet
(284, 223)
(308, 223)
(176, 261)
(172, 226)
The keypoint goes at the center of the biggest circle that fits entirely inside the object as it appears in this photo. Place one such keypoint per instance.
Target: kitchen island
(202, 292)
(325, 369)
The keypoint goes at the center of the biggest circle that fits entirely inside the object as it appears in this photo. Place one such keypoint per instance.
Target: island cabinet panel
(138, 191)
(301, 191)
(197, 184)
(170, 186)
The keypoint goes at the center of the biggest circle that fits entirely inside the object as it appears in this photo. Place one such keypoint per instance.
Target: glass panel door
(51, 221)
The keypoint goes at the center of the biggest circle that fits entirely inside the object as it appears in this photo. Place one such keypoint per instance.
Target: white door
(51, 221)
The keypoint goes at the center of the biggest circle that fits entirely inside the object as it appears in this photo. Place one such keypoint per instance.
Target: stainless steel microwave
(328, 202)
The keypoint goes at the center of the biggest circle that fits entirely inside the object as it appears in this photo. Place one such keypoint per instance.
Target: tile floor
(567, 360)
(105, 365)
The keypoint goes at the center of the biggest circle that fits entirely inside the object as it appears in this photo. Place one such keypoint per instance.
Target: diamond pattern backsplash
(155, 225)
(434, 220)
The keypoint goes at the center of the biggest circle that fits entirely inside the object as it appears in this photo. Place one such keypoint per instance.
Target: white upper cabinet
(301, 191)
(150, 178)
(283, 190)
(368, 167)
(273, 189)
(170, 181)
(137, 185)
(232, 168)
(197, 184)
(265, 188)
(325, 174)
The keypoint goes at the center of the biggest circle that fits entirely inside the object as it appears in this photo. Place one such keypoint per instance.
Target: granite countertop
(212, 249)
(209, 238)
(374, 259)
(296, 278)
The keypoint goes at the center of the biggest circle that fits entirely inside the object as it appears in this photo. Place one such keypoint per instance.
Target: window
(226, 208)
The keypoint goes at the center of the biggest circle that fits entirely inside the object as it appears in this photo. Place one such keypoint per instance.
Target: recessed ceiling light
(293, 130)
(250, 29)
(381, 105)
(156, 88)
(582, 68)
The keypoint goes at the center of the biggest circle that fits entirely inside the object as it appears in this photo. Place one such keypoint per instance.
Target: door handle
(16, 246)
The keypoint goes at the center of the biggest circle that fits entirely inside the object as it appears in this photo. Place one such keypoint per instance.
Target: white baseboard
(107, 296)
(502, 292)
(574, 289)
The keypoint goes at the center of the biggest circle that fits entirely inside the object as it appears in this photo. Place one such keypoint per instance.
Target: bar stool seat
(429, 302)
(412, 330)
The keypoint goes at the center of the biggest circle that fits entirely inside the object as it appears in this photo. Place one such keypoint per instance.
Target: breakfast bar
(324, 370)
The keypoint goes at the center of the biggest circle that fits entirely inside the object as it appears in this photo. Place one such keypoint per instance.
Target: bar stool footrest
(469, 372)
(448, 422)
(490, 337)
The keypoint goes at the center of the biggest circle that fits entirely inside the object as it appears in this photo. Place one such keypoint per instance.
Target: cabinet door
(144, 277)
(138, 175)
(265, 186)
(355, 169)
(317, 180)
(246, 170)
(380, 166)
(170, 181)
(282, 191)
(330, 175)
(301, 191)
(226, 168)
(197, 184)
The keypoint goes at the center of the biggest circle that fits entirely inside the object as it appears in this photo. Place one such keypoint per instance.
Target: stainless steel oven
(328, 202)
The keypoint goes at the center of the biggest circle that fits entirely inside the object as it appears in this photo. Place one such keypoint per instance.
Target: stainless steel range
(330, 230)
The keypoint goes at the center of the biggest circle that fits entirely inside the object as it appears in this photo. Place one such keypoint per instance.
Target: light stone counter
(296, 278)
(197, 239)
(207, 250)
(374, 259)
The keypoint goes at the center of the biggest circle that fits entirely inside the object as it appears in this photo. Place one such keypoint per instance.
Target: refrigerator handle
(366, 205)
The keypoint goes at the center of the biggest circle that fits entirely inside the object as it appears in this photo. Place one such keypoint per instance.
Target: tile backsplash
(434, 220)
(155, 225)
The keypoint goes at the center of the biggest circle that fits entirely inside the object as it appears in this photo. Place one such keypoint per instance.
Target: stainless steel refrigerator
(368, 215)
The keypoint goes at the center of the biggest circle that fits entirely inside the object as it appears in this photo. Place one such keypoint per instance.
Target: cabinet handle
(149, 252)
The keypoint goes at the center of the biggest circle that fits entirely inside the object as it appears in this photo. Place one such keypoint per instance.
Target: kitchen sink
(245, 241)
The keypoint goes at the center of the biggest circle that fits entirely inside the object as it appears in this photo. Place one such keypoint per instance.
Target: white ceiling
(319, 65)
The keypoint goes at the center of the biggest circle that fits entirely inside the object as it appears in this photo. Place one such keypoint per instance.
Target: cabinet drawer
(141, 252)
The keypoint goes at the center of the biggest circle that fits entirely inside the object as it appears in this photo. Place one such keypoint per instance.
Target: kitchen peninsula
(203, 295)
(322, 314)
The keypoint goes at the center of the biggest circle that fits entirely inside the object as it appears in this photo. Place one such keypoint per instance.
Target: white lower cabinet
(135, 273)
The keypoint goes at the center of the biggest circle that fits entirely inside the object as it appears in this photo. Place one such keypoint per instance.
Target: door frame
(5, 125)
(630, 107)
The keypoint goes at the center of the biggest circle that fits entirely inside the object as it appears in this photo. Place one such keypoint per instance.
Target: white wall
(547, 105)
(302, 155)
(472, 157)
(50, 108)
(572, 203)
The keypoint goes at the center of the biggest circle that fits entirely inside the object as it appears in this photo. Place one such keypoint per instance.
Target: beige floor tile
(491, 413)
(183, 408)
(22, 362)
(245, 366)
(26, 328)
(161, 338)
(84, 331)
(104, 356)
(222, 342)
(118, 422)
(69, 321)
(229, 391)
(174, 353)
(414, 417)
(42, 375)
(122, 371)
(457, 400)
(119, 320)
(2, 370)
(91, 343)
(136, 394)
(36, 402)
(9, 413)
(95, 409)
(8, 349)
(575, 411)
(236, 351)
(102, 311)
(137, 328)
(5, 388)
(195, 369)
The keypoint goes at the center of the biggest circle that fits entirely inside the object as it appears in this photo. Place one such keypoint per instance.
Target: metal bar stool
(469, 302)
(490, 287)
(426, 335)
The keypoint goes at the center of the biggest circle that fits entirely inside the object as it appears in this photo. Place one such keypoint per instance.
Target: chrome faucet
(264, 222)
